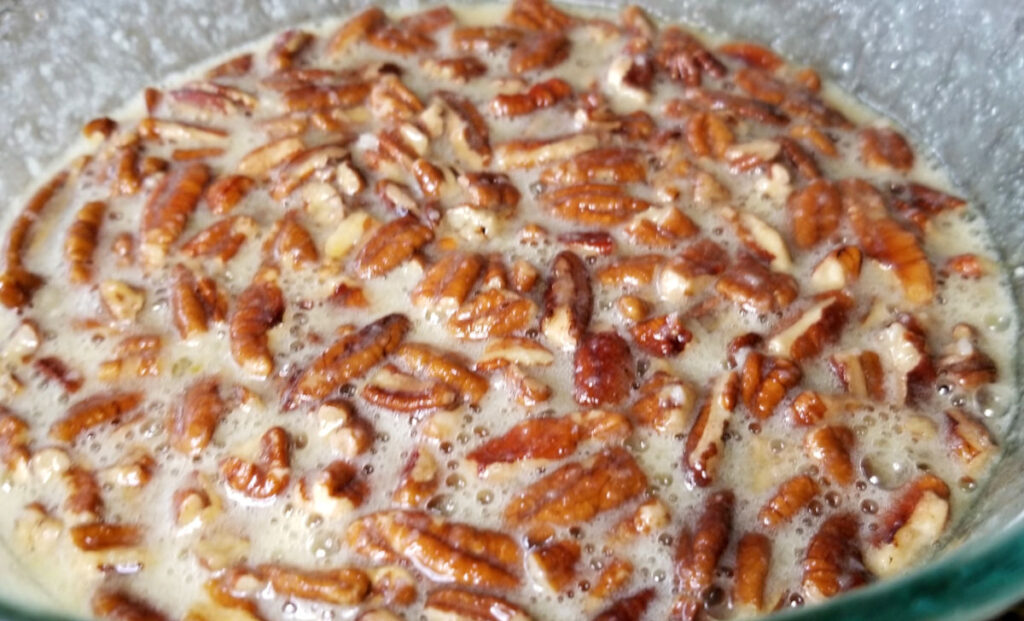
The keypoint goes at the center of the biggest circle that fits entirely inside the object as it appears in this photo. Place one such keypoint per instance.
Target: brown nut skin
(568, 301)
(603, 370)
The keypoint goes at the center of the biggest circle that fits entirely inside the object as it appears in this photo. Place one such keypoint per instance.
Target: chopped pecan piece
(838, 269)
(393, 390)
(963, 363)
(632, 608)
(568, 301)
(698, 552)
(832, 563)
(634, 271)
(684, 59)
(589, 242)
(167, 211)
(459, 605)
(448, 282)
(970, 440)
(705, 443)
(123, 301)
(883, 239)
(390, 246)
(550, 438)
(612, 578)
(94, 536)
(539, 96)
(906, 348)
(914, 522)
(663, 336)
(355, 29)
(93, 411)
(918, 202)
(419, 479)
(691, 272)
(258, 308)
(831, 446)
(593, 203)
(579, 491)
(266, 477)
(194, 302)
(603, 370)
(494, 312)
(752, 286)
(760, 239)
(342, 587)
(738, 106)
(523, 352)
(346, 359)
(530, 153)
(81, 241)
(753, 561)
(817, 326)
(490, 190)
(661, 227)
(483, 39)
(968, 265)
(459, 69)
(792, 496)
(120, 606)
(192, 424)
(666, 404)
(444, 552)
(84, 500)
(222, 239)
(553, 564)
(885, 148)
(56, 369)
(14, 440)
(860, 373)
(290, 243)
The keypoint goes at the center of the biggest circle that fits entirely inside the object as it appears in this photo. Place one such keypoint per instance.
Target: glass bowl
(949, 71)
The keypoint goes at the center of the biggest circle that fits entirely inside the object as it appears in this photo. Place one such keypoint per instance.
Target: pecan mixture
(517, 314)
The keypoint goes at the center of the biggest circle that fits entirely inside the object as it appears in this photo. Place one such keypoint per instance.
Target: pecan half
(266, 477)
(914, 522)
(342, 586)
(885, 148)
(391, 245)
(793, 495)
(81, 241)
(393, 390)
(602, 370)
(684, 59)
(448, 282)
(539, 96)
(258, 308)
(494, 312)
(752, 286)
(579, 491)
(698, 552)
(17, 284)
(467, 130)
(538, 51)
(194, 302)
(918, 202)
(167, 211)
(600, 165)
(550, 438)
(193, 422)
(84, 500)
(538, 15)
(444, 552)
(906, 349)
(753, 561)
(93, 411)
(764, 382)
(593, 203)
(93, 536)
(832, 561)
(705, 443)
(831, 447)
(346, 359)
(459, 605)
(445, 367)
(568, 301)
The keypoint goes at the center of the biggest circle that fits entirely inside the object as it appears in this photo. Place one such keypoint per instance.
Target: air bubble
(997, 323)
(869, 506)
